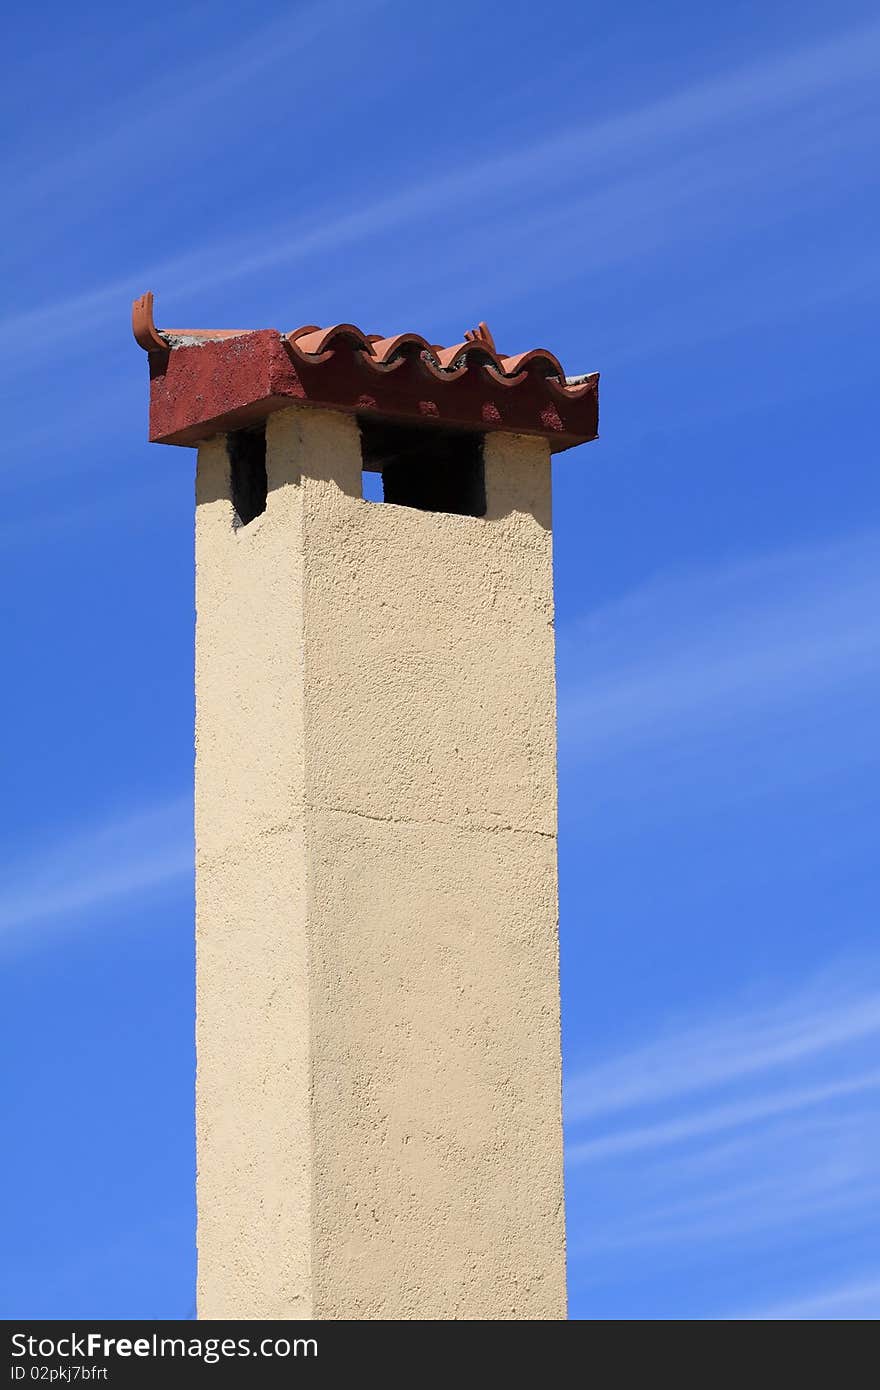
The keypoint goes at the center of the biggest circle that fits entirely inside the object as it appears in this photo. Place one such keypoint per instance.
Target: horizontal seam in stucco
(451, 824)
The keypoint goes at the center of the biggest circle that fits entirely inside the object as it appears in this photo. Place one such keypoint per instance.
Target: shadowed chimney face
(378, 1100)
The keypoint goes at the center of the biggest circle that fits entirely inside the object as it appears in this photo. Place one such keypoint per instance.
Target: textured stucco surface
(379, 1124)
(252, 1032)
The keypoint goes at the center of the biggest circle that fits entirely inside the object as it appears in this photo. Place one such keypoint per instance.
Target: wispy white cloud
(793, 1184)
(753, 1126)
(720, 642)
(711, 1121)
(162, 102)
(856, 1301)
(836, 1008)
(82, 873)
(650, 158)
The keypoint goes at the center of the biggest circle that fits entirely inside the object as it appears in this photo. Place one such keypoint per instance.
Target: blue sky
(684, 198)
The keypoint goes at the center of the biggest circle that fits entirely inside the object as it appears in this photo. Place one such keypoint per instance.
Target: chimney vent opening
(247, 460)
(435, 470)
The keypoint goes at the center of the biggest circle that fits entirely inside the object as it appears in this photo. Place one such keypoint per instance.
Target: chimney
(378, 1097)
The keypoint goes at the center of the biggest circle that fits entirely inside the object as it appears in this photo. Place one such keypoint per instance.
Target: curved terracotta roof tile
(573, 389)
(153, 339)
(375, 364)
(320, 340)
(476, 349)
(499, 375)
(534, 357)
(301, 332)
(430, 362)
(207, 380)
(145, 332)
(481, 334)
(386, 348)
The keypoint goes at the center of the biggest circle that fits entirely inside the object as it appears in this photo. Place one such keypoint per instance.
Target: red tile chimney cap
(206, 381)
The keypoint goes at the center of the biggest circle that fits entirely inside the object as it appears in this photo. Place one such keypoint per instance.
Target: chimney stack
(378, 1106)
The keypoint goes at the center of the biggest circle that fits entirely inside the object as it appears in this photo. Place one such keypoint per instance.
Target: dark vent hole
(436, 470)
(247, 460)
